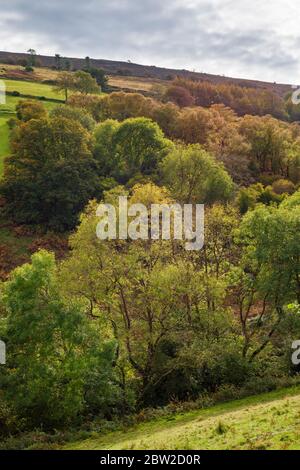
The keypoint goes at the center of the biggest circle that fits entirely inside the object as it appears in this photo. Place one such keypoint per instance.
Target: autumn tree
(270, 144)
(179, 95)
(192, 125)
(30, 109)
(227, 144)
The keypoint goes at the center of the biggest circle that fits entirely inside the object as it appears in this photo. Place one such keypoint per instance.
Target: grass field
(33, 88)
(8, 110)
(269, 421)
(17, 71)
(134, 83)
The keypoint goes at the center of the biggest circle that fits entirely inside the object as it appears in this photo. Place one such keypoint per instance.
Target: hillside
(16, 74)
(269, 421)
(7, 111)
(147, 71)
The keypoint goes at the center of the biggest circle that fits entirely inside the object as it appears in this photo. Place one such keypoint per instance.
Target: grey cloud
(182, 34)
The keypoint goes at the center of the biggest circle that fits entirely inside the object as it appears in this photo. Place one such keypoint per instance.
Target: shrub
(283, 186)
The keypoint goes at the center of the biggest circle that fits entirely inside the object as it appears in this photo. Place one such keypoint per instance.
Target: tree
(135, 146)
(67, 64)
(166, 116)
(257, 193)
(105, 151)
(29, 109)
(270, 272)
(241, 99)
(226, 143)
(65, 82)
(85, 83)
(140, 146)
(55, 354)
(270, 144)
(51, 174)
(100, 77)
(87, 63)
(58, 63)
(193, 125)
(194, 176)
(77, 114)
(283, 186)
(128, 284)
(179, 95)
(32, 57)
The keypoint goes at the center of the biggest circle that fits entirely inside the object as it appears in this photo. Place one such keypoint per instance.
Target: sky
(237, 38)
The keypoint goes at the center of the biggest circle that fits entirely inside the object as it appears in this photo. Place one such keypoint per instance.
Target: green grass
(8, 110)
(269, 421)
(33, 88)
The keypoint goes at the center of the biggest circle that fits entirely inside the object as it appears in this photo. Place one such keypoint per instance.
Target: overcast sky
(238, 38)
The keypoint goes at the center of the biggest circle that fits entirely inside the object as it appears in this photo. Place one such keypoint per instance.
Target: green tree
(194, 176)
(67, 64)
(104, 151)
(100, 77)
(58, 61)
(65, 82)
(55, 354)
(32, 58)
(51, 173)
(85, 83)
(128, 284)
(76, 114)
(87, 63)
(135, 146)
(269, 281)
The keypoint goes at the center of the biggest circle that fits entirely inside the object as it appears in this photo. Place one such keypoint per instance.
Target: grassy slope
(134, 83)
(42, 73)
(17, 71)
(7, 111)
(33, 88)
(269, 421)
